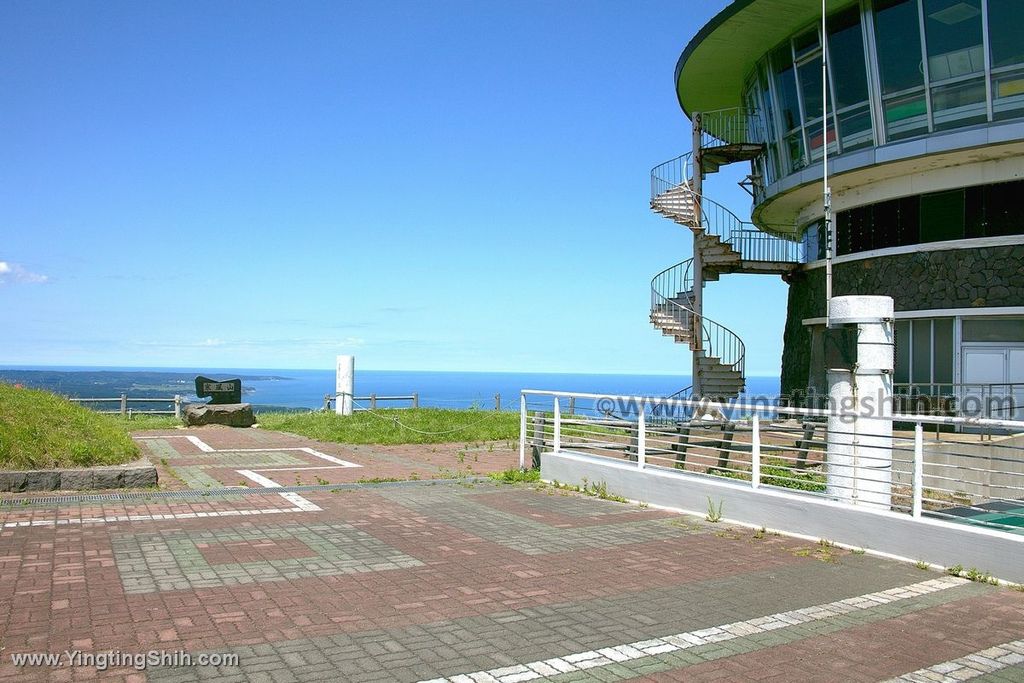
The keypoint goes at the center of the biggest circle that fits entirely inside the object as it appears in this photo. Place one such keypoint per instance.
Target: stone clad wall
(955, 278)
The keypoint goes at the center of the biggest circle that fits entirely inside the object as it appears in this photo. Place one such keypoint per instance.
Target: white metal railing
(975, 479)
(752, 242)
(732, 126)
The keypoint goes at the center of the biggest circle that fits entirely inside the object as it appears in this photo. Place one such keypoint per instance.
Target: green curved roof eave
(711, 71)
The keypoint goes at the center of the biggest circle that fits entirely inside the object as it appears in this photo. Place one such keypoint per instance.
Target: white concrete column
(345, 372)
(860, 427)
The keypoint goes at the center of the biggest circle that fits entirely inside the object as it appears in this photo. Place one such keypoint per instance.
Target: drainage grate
(129, 496)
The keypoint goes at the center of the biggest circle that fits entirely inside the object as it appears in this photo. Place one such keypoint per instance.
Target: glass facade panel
(921, 344)
(1006, 40)
(849, 78)
(981, 211)
(1006, 32)
(943, 350)
(789, 107)
(942, 216)
(993, 330)
(927, 81)
(898, 39)
(956, 62)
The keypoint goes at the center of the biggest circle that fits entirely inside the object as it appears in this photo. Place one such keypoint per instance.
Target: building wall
(955, 278)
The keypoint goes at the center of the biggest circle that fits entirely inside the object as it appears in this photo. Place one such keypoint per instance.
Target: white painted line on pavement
(580, 661)
(980, 663)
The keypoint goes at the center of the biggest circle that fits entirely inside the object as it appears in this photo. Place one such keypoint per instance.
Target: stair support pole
(697, 343)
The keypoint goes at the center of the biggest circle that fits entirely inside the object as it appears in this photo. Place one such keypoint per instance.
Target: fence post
(917, 487)
(572, 405)
(641, 438)
(124, 404)
(755, 452)
(373, 401)
(497, 401)
(537, 442)
(177, 406)
(557, 445)
(522, 431)
(415, 400)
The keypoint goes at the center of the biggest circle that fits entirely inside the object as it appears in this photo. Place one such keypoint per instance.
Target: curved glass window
(898, 37)
(956, 62)
(964, 213)
(897, 69)
(788, 107)
(1006, 43)
(850, 79)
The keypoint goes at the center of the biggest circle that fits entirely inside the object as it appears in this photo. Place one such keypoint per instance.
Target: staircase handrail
(732, 126)
(717, 220)
(718, 341)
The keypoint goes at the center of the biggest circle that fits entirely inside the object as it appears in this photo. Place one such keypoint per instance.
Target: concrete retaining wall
(139, 474)
(934, 541)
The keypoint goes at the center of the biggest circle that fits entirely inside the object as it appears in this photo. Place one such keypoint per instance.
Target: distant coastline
(299, 389)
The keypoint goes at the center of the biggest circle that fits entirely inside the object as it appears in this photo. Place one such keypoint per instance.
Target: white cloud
(12, 272)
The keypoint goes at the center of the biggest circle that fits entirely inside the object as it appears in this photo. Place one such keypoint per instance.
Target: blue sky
(426, 185)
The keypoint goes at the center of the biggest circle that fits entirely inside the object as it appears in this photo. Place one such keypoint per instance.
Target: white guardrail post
(557, 446)
(755, 452)
(522, 431)
(917, 486)
(641, 438)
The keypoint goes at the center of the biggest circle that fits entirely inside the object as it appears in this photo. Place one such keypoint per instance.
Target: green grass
(139, 421)
(776, 472)
(516, 475)
(40, 430)
(398, 426)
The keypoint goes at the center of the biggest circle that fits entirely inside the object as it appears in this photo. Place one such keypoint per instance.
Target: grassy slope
(139, 421)
(398, 426)
(41, 430)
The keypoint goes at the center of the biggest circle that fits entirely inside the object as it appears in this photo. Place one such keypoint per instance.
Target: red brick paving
(62, 586)
(876, 651)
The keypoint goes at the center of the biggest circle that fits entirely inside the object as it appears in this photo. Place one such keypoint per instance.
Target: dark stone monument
(219, 392)
(225, 406)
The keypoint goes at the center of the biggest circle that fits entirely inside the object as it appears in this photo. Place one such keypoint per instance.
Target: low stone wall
(138, 474)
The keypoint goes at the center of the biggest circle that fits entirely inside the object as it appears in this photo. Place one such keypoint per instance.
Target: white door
(989, 376)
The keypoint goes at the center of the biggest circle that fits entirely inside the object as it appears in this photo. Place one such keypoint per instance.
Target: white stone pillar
(860, 428)
(345, 372)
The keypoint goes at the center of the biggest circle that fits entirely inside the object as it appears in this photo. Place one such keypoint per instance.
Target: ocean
(306, 388)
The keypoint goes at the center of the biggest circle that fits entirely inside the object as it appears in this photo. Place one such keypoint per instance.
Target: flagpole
(829, 231)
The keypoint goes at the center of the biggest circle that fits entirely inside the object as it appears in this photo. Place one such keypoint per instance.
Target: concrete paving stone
(427, 581)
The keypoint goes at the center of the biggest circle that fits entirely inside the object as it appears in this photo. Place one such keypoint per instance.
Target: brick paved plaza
(464, 581)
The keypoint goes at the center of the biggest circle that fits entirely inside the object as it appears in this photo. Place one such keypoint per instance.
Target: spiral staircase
(722, 243)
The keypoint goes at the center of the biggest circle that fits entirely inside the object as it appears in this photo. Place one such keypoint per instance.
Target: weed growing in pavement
(824, 551)
(975, 574)
(922, 565)
(714, 513)
(516, 476)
